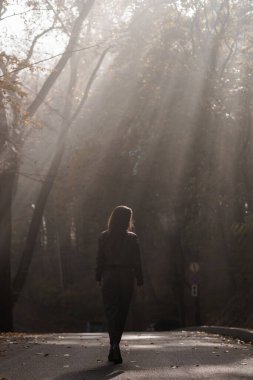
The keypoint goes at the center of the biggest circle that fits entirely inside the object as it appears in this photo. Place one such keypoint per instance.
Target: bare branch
(68, 52)
(57, 112)
(2, 8)
(218, 18)
(3, 68)
(58, 17)
(63, 60)
(36, 38)
(226, 61)
(4, 132)
(90, 82)
(206, 17)
(40, 177)
(24, 12)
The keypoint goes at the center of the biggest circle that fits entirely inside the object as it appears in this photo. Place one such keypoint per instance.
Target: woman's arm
(137, 262)
(100, 259)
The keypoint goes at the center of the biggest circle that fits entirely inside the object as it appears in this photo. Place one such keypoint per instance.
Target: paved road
(174, 355)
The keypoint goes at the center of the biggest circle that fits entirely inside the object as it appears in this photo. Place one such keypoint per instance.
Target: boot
(116, 357)
(110, 356)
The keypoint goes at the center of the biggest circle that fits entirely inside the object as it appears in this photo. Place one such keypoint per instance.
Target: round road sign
(194, 267)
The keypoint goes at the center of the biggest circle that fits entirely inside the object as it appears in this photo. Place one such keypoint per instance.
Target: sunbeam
(144, 103)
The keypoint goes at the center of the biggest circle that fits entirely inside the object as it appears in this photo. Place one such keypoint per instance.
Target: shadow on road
(107, 371)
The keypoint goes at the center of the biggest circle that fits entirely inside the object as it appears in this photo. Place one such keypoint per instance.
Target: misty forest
(144, 103)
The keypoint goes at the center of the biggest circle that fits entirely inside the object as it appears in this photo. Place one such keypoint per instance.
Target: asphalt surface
(167, 355)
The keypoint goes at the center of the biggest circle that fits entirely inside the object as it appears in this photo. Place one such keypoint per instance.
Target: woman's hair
(121, 219)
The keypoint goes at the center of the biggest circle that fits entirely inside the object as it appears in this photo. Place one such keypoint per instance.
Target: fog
(143, 103)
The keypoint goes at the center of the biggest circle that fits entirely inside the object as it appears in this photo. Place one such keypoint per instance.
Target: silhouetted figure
(118, 264)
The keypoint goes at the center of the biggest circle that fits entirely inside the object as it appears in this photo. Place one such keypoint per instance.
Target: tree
(164, 128)
(6, 322)
(49, 180)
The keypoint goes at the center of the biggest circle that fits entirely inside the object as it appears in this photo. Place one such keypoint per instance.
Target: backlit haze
(161, 93)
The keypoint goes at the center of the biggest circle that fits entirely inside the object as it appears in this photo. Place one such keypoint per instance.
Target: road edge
(232, 332)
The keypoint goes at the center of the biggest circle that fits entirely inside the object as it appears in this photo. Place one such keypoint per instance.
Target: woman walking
(118, 265)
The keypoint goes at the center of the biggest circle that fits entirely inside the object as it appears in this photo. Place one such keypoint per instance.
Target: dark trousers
(117, 293)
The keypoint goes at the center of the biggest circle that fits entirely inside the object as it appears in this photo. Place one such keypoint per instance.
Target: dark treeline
(165, 128)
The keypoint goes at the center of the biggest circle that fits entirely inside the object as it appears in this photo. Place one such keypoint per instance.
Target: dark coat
(122, 252)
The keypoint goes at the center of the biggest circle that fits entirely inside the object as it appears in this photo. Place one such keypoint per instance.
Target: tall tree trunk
(34, 228)
(63, 60)
(7, 177)
(7, 181)
(40, 204)
(6, 190)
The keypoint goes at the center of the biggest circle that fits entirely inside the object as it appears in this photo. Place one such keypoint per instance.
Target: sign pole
(194, 268)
